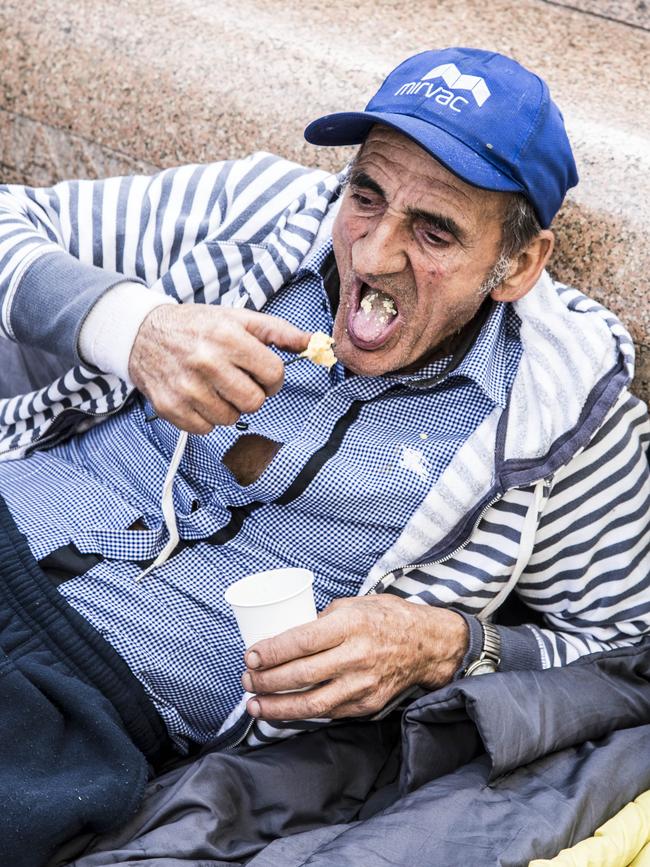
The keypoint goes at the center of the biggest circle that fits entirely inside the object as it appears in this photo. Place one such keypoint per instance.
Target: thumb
(272, 329)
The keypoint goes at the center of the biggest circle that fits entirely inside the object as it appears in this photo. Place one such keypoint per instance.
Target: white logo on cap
(455, 80)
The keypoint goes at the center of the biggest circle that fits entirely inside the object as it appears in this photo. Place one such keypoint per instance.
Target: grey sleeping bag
(493, 770)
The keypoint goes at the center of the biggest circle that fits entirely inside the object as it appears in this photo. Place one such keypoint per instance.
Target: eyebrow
(361, 179)
(441, 222)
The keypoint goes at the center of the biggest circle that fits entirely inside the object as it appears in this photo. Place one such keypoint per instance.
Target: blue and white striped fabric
(551, 487)
(229, 232)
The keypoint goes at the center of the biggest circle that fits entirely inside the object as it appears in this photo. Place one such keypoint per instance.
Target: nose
(381, 249)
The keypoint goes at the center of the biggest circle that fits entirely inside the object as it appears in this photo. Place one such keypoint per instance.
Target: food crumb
(367, 302)
(387, 307)
(319, 349)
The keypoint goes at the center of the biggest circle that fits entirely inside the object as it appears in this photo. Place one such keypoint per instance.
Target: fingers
(322, 655)
(202, 366)
(245, 354)
(357, 695)
(198, 416)
(297, 674)
(320, 635)
(273, 330)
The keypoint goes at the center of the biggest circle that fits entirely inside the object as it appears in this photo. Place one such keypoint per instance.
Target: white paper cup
(268, 603)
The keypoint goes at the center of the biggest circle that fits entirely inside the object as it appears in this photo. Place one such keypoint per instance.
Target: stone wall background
(91, 89)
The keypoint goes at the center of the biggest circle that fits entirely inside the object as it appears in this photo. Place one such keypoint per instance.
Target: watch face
(482, 666)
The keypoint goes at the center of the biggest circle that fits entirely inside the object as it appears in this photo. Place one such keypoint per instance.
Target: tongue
(374, 316)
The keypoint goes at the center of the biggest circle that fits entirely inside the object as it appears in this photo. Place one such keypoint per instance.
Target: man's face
(413, 244)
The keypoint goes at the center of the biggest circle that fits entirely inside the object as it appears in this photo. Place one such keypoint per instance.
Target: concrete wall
(90, 89)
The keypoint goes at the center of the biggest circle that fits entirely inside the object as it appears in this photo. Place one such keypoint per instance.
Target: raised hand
(201, 365)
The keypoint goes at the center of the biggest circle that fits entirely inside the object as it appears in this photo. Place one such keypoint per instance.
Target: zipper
(67, 409)
(228, 741)
(242, 737)
(453, 553)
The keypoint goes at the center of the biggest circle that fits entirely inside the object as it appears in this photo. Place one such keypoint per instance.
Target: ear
(525, 268)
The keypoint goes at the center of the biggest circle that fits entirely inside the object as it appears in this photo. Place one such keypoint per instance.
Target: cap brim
(352, 127)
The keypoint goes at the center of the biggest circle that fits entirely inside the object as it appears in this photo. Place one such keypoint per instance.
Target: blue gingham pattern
(174, 628)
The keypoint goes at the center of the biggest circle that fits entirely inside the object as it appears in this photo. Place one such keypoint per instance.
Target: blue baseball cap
(482, 115)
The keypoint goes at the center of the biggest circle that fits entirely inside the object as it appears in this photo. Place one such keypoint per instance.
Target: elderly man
(476, 436)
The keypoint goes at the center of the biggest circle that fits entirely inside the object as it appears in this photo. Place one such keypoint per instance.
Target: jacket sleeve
(588, 578)
(584, 585)
(62, 248)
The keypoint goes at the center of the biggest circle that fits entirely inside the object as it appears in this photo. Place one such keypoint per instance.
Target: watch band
(490, 656)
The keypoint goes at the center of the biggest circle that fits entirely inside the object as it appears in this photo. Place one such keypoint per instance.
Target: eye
(364, 201)
(433, 239)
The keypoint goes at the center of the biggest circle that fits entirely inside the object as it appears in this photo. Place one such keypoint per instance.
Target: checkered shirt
(359, 455)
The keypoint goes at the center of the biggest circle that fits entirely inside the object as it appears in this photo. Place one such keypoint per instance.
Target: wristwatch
(490, 657)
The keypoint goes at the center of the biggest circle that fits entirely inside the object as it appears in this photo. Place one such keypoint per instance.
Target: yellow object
(319, 349)
(623, 841)
(643, 858)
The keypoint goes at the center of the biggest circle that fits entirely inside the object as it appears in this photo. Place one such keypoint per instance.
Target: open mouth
(373, 317)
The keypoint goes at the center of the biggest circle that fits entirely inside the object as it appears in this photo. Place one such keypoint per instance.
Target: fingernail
(253, 659)
(247, 682)
(254, 708)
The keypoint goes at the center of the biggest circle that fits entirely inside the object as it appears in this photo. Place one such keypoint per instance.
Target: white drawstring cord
(167, 505)
(526, 545)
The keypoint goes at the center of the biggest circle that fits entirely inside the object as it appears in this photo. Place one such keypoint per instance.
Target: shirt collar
(484, 362)
(315, 259)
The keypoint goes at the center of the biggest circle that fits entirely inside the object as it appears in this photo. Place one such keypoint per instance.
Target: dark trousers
(78, 735)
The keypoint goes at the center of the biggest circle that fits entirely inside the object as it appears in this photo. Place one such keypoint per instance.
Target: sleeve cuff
(519, 647)
(109, 330)
(475, 642)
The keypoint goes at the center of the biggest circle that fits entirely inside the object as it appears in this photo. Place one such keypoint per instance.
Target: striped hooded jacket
(550, 494)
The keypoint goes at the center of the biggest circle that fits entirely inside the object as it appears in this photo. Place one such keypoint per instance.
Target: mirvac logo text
(454, 80)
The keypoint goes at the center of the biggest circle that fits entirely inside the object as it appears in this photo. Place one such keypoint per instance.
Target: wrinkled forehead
(400, 165)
